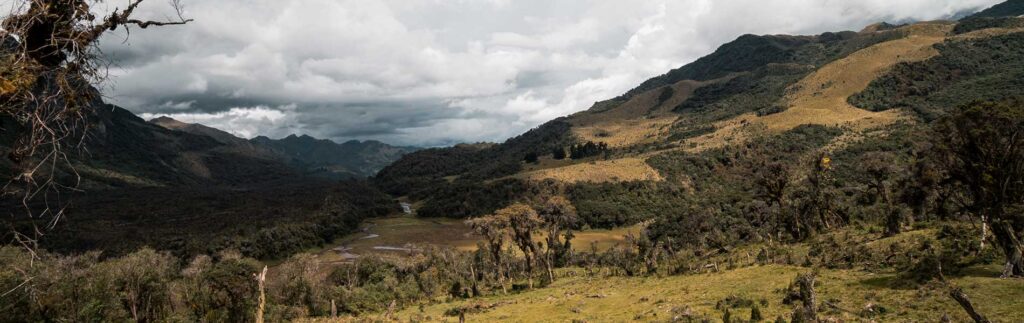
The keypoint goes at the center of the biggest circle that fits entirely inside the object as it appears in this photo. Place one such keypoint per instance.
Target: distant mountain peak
(169, 123)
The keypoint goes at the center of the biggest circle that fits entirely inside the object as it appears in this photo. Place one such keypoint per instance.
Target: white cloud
(245, 122)
(435, 71)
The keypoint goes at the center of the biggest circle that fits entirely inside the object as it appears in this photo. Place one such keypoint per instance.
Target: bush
(955, 248)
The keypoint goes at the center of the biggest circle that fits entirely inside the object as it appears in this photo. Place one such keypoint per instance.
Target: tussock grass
(602, 171)
(644, 118)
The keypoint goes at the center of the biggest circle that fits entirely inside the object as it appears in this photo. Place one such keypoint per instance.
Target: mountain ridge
(319, 157)
(754, 87)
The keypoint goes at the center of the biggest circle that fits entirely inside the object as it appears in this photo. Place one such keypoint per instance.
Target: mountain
(124, 150)
(319, 157)
(194, 128)
(361, 159)
(183, 188)
(690, 134)
(1011, 8)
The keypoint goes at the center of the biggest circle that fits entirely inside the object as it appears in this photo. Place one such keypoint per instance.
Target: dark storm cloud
(430, 72)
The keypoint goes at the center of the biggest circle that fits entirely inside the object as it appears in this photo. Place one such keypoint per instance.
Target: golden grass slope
(639, 120)
(602, 171)
(820, 98)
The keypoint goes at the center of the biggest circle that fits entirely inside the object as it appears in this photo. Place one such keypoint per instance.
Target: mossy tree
(982, 148)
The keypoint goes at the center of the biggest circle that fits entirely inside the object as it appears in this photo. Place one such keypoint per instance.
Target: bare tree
(957, 294)
(50, 65)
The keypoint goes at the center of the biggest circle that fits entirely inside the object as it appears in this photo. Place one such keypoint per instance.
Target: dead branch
(50, 68)
(958, 294)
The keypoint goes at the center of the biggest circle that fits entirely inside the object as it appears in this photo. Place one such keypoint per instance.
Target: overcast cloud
(435, 72)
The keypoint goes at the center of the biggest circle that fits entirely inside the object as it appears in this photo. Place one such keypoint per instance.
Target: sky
(437, 72)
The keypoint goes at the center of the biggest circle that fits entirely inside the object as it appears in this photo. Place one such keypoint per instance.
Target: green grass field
(576, 298)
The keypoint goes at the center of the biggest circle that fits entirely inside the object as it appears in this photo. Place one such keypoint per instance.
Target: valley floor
(397, 234)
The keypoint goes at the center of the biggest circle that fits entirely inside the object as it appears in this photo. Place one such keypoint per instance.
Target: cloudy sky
(438, 72)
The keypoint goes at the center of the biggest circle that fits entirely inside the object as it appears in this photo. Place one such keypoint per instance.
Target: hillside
(126, 151)
(1011, 8)
(186, 189)
(316, 157)
(755, 88)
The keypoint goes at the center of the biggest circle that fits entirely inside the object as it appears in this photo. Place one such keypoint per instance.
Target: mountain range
(320, 157)
(123, 150)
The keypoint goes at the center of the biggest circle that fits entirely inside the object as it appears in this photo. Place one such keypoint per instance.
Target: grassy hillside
(965, 69)
(750, 90)
(707, 296)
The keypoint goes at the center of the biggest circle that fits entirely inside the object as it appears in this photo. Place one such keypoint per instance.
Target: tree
(558, 153)
(982, 148)
(588, 149)
(523, 222)
(141, 279)
(531, 158)
(817, 207)
(802, 289)
(494, 230)
(880, 169)
(231, 290)
(772, 180)
(558, 214)
(49, 68)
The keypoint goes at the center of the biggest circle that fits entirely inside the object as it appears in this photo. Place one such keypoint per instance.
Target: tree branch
(960, 297)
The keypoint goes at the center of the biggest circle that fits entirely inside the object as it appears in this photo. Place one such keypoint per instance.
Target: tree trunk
(551, 271)
(960, 297)
(809, 311)
(1011, 245)
(984, 231)
(472, 273)
(261, 278)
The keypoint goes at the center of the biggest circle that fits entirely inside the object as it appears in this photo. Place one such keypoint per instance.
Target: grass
(620, 299)
(821, 98)
(577, 297)
(644, 118)
(601, 171)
